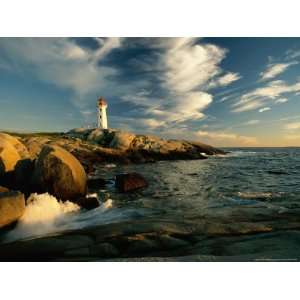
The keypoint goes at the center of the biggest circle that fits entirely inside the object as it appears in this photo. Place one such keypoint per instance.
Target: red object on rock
(130, 182)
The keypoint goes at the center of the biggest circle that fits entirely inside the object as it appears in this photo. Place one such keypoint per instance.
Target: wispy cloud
(292, 53)
(262, 95)
(252, 122)
(274, 70)
(61, 61)
(228, 79)
(264, 109)
(281, 100)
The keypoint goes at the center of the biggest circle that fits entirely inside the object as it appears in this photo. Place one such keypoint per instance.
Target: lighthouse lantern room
(102, 117)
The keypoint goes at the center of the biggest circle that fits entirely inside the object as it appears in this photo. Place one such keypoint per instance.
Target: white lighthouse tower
(102, 117)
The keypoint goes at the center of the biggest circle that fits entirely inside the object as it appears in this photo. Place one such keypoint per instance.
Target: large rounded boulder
(20, 147)
(59, 173)
(9, 157)
(12, 207)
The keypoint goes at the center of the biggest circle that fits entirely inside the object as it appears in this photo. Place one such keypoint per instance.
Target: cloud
(186, 69)
(281, 100)
(190, 65)
(106, 46)
(292, 54)
(252, 122)
(264, 109)
(260, 96)
(292, 126)
(226, 138)
(228, 78)
(186, 109)
(275, 69)
(225, 79)
(60, 61)
(151, 123)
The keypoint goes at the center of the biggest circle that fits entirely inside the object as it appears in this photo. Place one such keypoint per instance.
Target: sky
(222, 91)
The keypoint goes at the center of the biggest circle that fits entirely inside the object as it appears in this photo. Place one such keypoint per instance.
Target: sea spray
(44, 215)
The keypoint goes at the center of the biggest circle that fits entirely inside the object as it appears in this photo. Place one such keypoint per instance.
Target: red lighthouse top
(102, 102)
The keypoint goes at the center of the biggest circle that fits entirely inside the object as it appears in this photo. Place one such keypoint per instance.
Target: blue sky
(222, 91)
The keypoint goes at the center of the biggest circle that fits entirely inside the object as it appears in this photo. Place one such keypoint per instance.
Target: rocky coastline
(63, 164)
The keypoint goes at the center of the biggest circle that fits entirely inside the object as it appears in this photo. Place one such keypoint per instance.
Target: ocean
(192, 188)
(248, 188)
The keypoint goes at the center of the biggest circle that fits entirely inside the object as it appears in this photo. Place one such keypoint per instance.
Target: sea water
(187, 189)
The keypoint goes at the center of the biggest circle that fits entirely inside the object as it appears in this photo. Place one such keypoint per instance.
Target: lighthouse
(102, 117)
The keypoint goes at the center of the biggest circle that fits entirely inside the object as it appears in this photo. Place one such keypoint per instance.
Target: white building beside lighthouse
(102, 117)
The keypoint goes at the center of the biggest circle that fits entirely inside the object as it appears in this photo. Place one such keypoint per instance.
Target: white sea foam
(255, 195)
(238, 153)
(44, 214)
(259, 195)
(110, 165)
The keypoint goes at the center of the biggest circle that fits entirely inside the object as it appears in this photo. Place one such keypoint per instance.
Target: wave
(240, 153)
(44, 214)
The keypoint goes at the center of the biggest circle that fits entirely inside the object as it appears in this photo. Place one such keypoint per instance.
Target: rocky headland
(62, 164)
(94, 146)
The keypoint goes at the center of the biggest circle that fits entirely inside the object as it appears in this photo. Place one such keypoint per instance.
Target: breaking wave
(44, 214)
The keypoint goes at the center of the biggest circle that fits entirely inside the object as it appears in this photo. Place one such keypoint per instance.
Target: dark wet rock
(59, 173)
(170, 242)
(165, 239)
(23, 173)
(96, 183)
(130, 182)
(88, 158)
(87, 202)
(104, 250)
(43, 248)
(12, 207)
(281, 244)
(142, 246)
(20, 177)
(78, 252)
